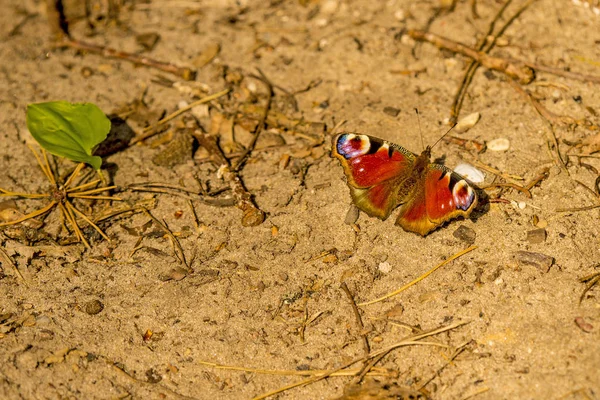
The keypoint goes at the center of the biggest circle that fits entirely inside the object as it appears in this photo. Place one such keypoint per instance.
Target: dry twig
(152, 130)
(185, 73)
(358, 318)
(409, 341)
(261, 122)
(178, 249)
(591, 281)
(252, 216)
(6, 259)
(513, 68)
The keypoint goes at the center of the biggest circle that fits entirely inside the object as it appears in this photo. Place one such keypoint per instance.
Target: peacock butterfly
(382, 176)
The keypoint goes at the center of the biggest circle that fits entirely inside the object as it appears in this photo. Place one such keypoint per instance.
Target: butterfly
(382, 176)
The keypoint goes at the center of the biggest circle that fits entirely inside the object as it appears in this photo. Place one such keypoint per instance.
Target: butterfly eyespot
(350, 145)
(463, 195)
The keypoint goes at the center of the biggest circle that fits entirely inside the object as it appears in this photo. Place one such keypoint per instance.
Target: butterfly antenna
(444, 135)
(420, 131)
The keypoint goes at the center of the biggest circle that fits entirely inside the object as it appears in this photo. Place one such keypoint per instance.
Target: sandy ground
(118, 321)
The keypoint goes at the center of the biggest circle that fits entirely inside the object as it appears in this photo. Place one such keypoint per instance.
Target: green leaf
(70, 130)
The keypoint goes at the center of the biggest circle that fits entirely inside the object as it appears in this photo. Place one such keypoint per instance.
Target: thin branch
(261, 122)
(357, 317)
(515, 69)
(186, 73)
(409, 341)
(521, 189)
(149, 131)
(253, 216)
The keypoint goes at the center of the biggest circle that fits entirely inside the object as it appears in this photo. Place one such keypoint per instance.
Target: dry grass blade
(93, 191)
(74, 174)
(179, 250)
(86, 219)
(409, 341)
(68, 215)
(509, 177)
(591, 281)
(33, 214)
(294, 372)
(521, 189)
(425, 275)
(6, 193)
(149, 131)
(476, 393)
(585, 208)
(44, 167)
(61, 195)
(84, 186)
(6, 258)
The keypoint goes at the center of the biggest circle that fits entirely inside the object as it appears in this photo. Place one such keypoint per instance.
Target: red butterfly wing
(375, 170)
(439, 196)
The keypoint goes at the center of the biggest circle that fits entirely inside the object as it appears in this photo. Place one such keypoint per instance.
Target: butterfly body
(382, 176)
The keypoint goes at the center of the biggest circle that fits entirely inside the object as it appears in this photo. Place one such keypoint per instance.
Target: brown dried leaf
(207, 55)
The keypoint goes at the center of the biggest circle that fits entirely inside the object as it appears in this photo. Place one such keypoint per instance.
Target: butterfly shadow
(483, 203)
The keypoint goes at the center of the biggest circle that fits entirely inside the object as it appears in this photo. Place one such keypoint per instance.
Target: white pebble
(329, 6)
(385, 267)
(251, 87)
(470, 172)
(400, 15)
(467, 122)
(499, 144)
(522, 205)
(321, 22)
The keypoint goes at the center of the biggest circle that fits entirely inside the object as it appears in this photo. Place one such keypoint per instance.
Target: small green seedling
(70, 130)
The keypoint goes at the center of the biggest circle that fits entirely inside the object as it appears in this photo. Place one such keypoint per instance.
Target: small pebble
(329, 6)
(283, 276)
(392, 111)
(43, 320)
(177, 274)
(536, 236)
(395, 312)
(467, 122)
(147, 40)
(541, 261)
(352, 215)
(93, 307)
(583, 325)
(499, 144)
(465, 234)
(522, 205)
(385, 267)
(470, 172)
(400, 15)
